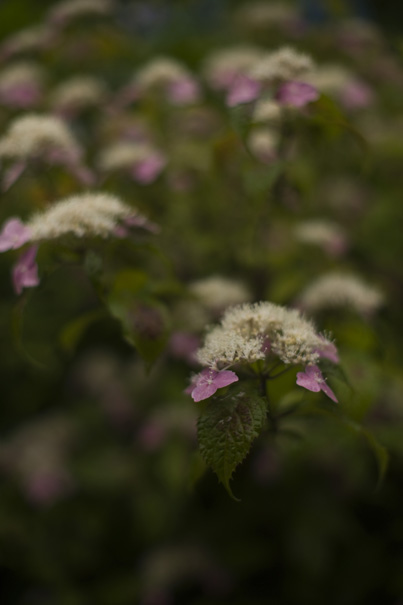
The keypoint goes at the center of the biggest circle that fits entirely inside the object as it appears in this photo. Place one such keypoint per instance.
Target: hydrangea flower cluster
(266, 333)
(85, 215)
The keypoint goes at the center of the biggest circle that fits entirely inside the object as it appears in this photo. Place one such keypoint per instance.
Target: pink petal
(12, 175)
(243, 90)
(13, 235)
(25, 271)
(225, 378)
(296, 94)
(146, 172)
(308, 380)
(183, 91)
(203, 391)
(328, 391)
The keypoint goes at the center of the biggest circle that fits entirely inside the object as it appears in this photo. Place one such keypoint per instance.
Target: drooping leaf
(226, 429)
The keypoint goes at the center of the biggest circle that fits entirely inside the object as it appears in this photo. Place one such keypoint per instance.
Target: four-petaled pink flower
(14, 235)
(313, 380)
(25, 271)
(296, 94)
(243, 90)
(205, 384)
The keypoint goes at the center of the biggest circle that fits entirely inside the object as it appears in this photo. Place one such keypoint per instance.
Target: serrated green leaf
(226, 429)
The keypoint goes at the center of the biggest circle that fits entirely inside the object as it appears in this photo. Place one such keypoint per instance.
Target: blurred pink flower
(242, 90)
(148, 170)
(21, 96)
(296, 94)
(184, 91)
(356, 95)
(205, 384)
(12, 174)
(46, 487)
(13, 235)
(25, 271)
(183, 345)
(313, 380)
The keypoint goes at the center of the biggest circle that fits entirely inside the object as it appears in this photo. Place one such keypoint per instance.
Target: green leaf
(332, 370)
(379, 451)
(261, 178)
(144, 319)
(327, 112)
(240, 120)
(72, 333)
(226, 429)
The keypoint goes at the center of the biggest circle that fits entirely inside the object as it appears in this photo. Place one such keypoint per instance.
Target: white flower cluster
(218, 292)
(21, 73)
(259, 15)
(68, 10)
(330, 78)
(319, 232)
(283, 64)
(266, 110)
(247, 332)
(221, 67)
(32, 135)
(77, 93)
(27, 40)
(159, 72)
(124, 155)
(86, 214)
(341, 290)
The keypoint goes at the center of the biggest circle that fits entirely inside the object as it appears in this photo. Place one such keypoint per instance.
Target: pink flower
(21, 95)
(46, 487)
(25, 271)
(205, 384)
(243, 90)
(313, 380)
(183, 345)
(184, 91)
(296, 94)
(356, 95)
(12, 174)
(147, 171)
(13, 235)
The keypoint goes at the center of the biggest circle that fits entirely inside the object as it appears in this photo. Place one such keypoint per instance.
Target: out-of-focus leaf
(332, 370)
(379, 451)
(226, 429)
(326, 111)
(241, 120)
(72, 333)
(260, 179)
(144, 319)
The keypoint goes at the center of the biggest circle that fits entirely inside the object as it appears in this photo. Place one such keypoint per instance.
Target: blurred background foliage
(103, 496)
